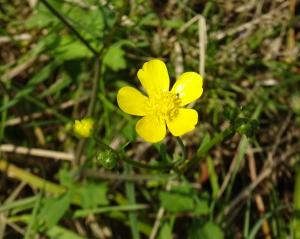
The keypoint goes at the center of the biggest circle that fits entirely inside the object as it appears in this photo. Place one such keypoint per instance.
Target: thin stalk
(218, 138)
(82, 143)
(183, 150)
(85, 212)
(30, 233)
(130, 193)
(96, 82)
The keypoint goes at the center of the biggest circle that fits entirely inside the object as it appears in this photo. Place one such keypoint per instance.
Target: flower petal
(151, 129)
(154, 76)
(189, 87)
(131, 101)
(184, 122)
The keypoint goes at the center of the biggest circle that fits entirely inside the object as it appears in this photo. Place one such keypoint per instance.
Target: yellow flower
(162, 106)
(84, 128)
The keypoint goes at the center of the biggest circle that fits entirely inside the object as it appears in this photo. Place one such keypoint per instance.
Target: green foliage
(249, 112)
(114, 58)
(184, 199)
(207, 231)
(92, 194)
(67, 48)
(62, 233)
(165, 232)
(52, 210)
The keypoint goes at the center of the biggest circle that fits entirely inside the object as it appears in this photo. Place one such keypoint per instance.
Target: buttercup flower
(162, 107)
(84, 128)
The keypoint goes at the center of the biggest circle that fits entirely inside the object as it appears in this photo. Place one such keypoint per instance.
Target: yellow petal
(184, 122)
(131, 101)
(188, 87)
(151, 129)
(154, 76)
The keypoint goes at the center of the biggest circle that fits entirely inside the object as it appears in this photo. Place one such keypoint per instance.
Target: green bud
(107, 158)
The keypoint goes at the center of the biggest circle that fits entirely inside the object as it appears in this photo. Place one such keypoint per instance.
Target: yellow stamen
(164, 105)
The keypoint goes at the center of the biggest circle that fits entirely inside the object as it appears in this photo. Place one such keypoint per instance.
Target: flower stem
(183, 149)
(218, 138)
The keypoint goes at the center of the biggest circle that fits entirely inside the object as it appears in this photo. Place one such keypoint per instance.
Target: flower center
(164, 105)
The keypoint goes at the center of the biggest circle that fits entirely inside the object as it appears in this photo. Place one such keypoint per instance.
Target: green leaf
(179, 199)
(114, 58)
(201, 205)
(184, 198)
(208, 231)
(62, 233)
(42, 17)
(165, 232)
(92, 194)
(66, 178)
(91, 24)
(67, 48)
(53, 210)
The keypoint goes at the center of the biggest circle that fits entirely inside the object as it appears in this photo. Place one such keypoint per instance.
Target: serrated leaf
(67, 48)
(91, 22)
(92, 194)
(114, 58)
(42, 16)
(165, 232)
(53, 210)
(65, 178)
(179, 199)
(201, 206)
(208, 231)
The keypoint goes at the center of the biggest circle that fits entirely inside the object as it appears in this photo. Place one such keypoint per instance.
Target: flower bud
(107, 158)
(84, 128)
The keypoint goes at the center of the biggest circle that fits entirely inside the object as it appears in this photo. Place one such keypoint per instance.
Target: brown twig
(266, 172)
(9, 148)
(22, 67)
(269, 16)
(258, 198)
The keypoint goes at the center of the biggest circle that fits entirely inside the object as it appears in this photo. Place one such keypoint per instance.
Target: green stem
(146, 166)
(130, 193)
(64, 21)
(218, 138)
(96, 82)
(183, 150)
(134, 163)
(85, 212)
